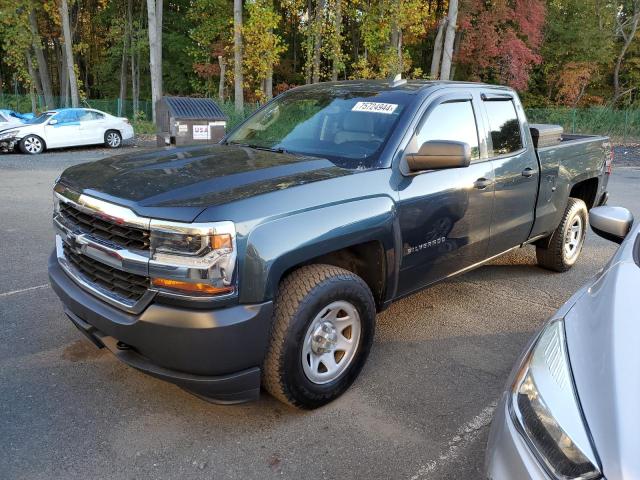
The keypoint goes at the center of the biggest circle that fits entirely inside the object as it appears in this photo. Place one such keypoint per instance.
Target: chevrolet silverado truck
(263, 260)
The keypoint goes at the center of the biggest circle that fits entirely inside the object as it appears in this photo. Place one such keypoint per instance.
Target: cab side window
(504, 127)
(452, 121)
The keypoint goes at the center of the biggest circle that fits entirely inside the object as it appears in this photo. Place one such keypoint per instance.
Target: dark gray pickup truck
(263, 260)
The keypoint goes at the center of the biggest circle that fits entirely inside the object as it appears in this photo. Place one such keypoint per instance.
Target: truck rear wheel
(323, 327)
(565, 244)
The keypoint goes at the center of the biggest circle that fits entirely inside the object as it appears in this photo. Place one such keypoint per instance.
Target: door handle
(528, 172)
(482, 183)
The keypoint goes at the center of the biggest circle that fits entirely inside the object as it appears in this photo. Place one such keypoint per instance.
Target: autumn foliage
(500, 40)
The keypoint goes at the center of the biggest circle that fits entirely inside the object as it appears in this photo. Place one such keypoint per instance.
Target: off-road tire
(552, 256)
(301, 296)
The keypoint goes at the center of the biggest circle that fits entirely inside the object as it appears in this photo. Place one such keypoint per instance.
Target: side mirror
(611, 223)
(440, 154)
(53, 121)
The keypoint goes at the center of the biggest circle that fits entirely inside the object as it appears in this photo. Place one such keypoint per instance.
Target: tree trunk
(63, 78)
(317, 43)
(123, 65)
(437, 51)
(34, 83)
(223, 72)
(338, 43)
(238, 79)
(268, 84)
(447, 54)
(43, 71)
(133, 47)
(396, 44)
(628, 38)
(123, 77)
(68, 51)
(154, 13)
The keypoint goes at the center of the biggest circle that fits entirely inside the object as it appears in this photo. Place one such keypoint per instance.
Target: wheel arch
(360, 236)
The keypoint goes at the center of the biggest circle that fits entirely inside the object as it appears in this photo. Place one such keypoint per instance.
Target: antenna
(397, 81)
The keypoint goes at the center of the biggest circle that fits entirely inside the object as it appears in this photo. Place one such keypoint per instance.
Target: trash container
(189, 121)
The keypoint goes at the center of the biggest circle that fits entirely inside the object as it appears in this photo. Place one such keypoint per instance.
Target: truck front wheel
(323, 327)
(565, 244)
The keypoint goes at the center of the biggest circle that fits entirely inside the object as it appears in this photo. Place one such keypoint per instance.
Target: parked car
(570, 409)
(265, 258)
(10, 118)
(67, 127)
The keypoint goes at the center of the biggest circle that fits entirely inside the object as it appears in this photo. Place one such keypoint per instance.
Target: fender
(274, 247)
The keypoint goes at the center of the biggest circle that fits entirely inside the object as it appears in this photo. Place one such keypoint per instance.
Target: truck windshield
(345, 126)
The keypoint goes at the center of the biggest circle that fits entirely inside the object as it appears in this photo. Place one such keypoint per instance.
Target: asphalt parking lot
(420, 409)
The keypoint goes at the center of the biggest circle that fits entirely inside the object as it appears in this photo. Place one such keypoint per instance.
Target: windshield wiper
(259, 147)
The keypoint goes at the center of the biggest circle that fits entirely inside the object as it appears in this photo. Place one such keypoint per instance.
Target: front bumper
(508, 457)
(8, 144)
(214, 354)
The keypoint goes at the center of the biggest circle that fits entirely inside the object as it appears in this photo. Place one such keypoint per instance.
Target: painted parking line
(465, 436)
(23, 290)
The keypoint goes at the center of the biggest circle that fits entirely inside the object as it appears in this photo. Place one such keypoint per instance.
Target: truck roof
(409, 87)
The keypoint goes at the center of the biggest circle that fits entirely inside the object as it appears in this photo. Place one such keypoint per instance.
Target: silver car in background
(572, 406)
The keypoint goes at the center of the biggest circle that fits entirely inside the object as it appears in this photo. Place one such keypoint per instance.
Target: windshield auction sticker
(376, 107)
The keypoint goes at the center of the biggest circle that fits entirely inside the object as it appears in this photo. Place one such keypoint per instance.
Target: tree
(154, 13)
(237, 57)
(437, 50)
(450, 35)
(318, 24)
(43, 70)
(577, 49)
(68, 53)
(501, 40)
(262, 46)
(337, 62)
(627, 22)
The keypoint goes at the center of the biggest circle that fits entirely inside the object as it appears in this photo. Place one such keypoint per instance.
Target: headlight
(193, 258)
(547, 411)
(8, 134)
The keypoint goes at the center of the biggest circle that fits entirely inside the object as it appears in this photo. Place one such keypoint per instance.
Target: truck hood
(603, 334)
(178, 184)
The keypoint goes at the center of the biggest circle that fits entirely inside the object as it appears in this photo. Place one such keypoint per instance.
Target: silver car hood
(603, 339)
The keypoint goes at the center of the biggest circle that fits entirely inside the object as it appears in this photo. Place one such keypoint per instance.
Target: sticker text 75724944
(375, 107)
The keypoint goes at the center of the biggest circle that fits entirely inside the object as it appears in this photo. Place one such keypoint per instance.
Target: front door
(445, 214)
(516, 174)
(65, 131)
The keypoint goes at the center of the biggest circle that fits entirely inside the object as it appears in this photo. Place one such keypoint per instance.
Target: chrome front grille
(104, 248)
(122, 285)
(122, 235)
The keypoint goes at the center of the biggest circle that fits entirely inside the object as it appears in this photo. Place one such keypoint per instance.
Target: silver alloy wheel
(32, 145)
(331, 342)
(573, 238)
(113, 139)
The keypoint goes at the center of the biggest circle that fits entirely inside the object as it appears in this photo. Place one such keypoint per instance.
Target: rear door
(516, 171)
(92, 127)
(445, 215)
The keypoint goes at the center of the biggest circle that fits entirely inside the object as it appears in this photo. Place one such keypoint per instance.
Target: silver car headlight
(8, 134)
(547, 411)
(193, 258)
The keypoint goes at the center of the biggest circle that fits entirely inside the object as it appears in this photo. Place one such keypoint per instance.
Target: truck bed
(575, 159)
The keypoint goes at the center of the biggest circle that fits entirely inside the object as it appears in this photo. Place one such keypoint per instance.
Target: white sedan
(67, 127)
